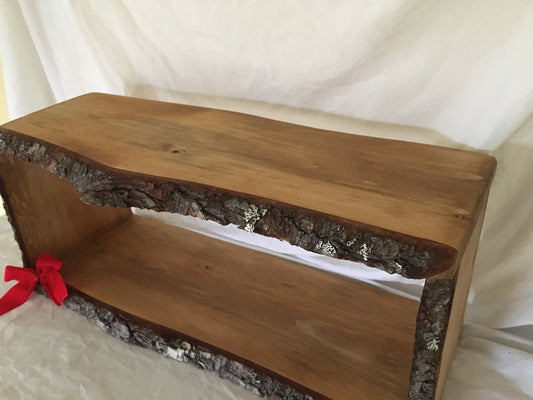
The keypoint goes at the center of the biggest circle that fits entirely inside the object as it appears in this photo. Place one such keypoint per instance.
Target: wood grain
(460, 297)
(324, 234)
(133, 330)
(403, 207)
(422, 194)
(440, 319)
(46, 213)
(337, 337)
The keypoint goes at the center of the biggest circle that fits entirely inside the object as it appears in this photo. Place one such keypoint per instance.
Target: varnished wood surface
(340, 338)
(422, 191)
(463, 278)
(46, 213)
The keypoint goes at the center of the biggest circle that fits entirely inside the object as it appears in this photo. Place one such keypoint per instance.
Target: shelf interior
(338, 337)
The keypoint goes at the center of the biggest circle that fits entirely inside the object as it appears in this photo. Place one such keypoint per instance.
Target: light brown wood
(338, 337)
(420, 206)
(426, 192)
(460, 298)
(46, 212)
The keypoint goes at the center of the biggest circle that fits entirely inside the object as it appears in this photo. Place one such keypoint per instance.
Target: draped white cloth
(452, 73)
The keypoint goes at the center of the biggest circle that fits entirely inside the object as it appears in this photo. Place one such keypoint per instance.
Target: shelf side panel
(45, 211)
(440, 319)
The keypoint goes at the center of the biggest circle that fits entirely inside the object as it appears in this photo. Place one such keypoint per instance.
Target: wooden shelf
(415, 200)
(69, 173)
(335, 336)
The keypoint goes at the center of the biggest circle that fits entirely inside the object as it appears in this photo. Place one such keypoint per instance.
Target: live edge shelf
(70, 172)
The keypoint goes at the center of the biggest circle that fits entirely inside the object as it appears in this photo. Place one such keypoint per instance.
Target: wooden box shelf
(68, 174)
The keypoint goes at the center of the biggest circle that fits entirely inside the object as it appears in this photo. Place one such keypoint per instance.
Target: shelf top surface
(427, 192)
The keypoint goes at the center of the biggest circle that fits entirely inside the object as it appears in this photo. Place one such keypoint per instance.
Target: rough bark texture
(101, 186)
(182, 349)
(431, 327)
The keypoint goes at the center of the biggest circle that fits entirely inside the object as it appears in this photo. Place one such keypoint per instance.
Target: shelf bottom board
(340, 338)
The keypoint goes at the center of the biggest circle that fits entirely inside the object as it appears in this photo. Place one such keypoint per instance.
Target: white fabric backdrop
(449, 72)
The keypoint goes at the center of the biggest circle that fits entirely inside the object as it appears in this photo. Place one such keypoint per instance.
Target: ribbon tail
(15, 297)
(54, 286)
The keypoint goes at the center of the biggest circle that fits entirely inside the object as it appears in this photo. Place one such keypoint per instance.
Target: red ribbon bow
(47, 273)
